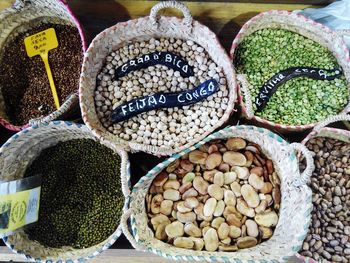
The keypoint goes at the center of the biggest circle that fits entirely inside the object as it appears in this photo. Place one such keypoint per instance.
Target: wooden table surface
(223, 17)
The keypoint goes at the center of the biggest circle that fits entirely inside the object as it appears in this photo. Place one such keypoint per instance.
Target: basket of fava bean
(329, 231)
(229, 198)
(156, 84)
(293, 72)
(25, 94)
(84, 184)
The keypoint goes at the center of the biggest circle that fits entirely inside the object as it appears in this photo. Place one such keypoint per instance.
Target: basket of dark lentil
(25, 95)
(229, 198)
(328, 237)
(83, 191)
(293, 72)
(156, 84)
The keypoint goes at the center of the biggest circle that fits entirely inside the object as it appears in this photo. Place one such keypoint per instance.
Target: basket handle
(329, 120)
(244, 86)
(124, 223)
(310, 166)
(171, 4)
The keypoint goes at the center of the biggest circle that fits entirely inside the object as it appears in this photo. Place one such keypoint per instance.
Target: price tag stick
(40, 44)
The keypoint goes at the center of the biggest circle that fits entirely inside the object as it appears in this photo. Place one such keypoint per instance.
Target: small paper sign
(19, 204)
(164, 58)
(270, 87)
(40, 44)
(164, 100)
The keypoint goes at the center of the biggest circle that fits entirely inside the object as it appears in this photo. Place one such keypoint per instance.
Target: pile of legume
(224, 196)
(23, 80)
(81, 198)
(329, 232)
(164, 127)
(300, 100)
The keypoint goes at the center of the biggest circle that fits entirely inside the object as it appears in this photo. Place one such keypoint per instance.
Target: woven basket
(303, 26)
(296, 203)
(143, 29)
(21, 17)
(17, 153)
(322, 131)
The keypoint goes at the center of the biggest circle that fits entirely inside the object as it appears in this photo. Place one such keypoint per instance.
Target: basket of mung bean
(328, 234)
(293, 72)
(156, 84)
(25, 94)
(229, 198)
(83, 191)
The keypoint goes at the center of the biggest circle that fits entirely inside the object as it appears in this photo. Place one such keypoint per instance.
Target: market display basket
(143, 29)
(18, 153)
(321, 130)
(297, 23)
(22, 16)
(295, 204)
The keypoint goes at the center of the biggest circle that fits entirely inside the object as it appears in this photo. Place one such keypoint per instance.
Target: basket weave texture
(299, 24)
(18, 153)
(294, 214)
(21, 17)
(143, 29)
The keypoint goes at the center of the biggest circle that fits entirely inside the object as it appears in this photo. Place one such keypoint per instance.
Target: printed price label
(19, 204)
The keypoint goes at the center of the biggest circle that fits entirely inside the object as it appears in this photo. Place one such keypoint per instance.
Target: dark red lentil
(23, 81)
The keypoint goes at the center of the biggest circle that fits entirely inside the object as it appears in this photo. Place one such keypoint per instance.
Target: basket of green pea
(293, 72)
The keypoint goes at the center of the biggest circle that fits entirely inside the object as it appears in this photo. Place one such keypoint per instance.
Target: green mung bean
(81, 198)
(300, 100)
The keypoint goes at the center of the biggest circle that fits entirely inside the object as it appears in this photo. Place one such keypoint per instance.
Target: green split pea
(300, 100)
(81, 198)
